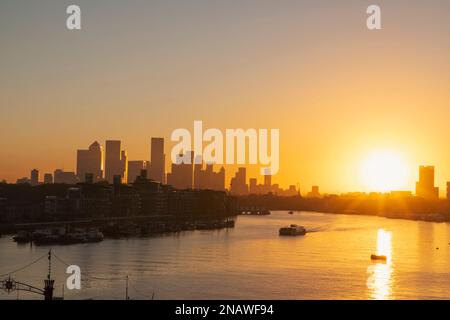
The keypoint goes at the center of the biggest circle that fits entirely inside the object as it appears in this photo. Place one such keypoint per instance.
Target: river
(332, 261)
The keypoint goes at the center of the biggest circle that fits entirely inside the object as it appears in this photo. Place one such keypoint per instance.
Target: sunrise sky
(138, 69)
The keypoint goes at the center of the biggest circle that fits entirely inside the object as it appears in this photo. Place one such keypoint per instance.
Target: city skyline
(95, 165)
(90, 163)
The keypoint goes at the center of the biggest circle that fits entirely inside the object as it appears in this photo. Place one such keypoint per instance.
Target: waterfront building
(153, 197)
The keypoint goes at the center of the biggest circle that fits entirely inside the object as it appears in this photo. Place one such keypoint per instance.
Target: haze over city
(338, 92)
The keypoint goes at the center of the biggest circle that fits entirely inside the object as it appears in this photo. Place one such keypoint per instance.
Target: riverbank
(127, 226)
(251, 261)
(380, 205)
(416, 217)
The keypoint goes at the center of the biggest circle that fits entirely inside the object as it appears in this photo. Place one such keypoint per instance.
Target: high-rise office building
(124, 165)
(66, 177)
(34, 177)
(135, 168)
(425, 186)
(208, 178)
(448, 191)
(238, 183)
(267, 183)
(254, 186)
(268, 180)
(314, 192)
(48, 178)
(182, 174)
(198, 173)
(216, 180)
(157, 170)
(90, 161)
(115, 161)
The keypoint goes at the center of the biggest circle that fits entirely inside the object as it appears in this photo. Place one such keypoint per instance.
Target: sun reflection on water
(380, 273)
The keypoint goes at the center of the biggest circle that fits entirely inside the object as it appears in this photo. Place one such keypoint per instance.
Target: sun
(384, 170)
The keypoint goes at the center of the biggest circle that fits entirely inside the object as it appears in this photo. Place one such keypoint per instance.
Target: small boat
(378, 257)
(292, 230)
(228, 224)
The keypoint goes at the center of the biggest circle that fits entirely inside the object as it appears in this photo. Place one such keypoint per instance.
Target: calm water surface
(252, 262)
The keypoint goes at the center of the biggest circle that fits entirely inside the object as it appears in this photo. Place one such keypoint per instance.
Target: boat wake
(328, 228)
(319, 229)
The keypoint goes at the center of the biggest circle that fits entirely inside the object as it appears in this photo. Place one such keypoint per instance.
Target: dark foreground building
(144, 198)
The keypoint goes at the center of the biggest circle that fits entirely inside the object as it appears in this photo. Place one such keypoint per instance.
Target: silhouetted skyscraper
(268, 180)
(157, 160)
(216, 179)
(198, 173)
(34, 177)
(254, 186)
(48, 178)
(425, 186)
(267, 183)
(238, 183)
(182, 174)
(314, 192)
(208, 178)
(67, 177)
(115, 161)
(90, 161)
(124, 165)
(448, 191)
(135, 168)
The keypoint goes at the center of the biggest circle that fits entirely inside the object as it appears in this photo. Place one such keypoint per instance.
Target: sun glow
(384, 171)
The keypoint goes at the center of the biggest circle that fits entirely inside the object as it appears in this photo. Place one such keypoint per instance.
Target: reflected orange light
(379, 282)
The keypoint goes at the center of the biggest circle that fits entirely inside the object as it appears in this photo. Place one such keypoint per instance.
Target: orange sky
(335, 90)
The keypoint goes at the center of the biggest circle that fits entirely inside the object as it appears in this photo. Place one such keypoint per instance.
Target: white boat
(292, 230)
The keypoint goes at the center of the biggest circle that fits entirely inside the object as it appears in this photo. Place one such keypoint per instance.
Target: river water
(252, 262)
